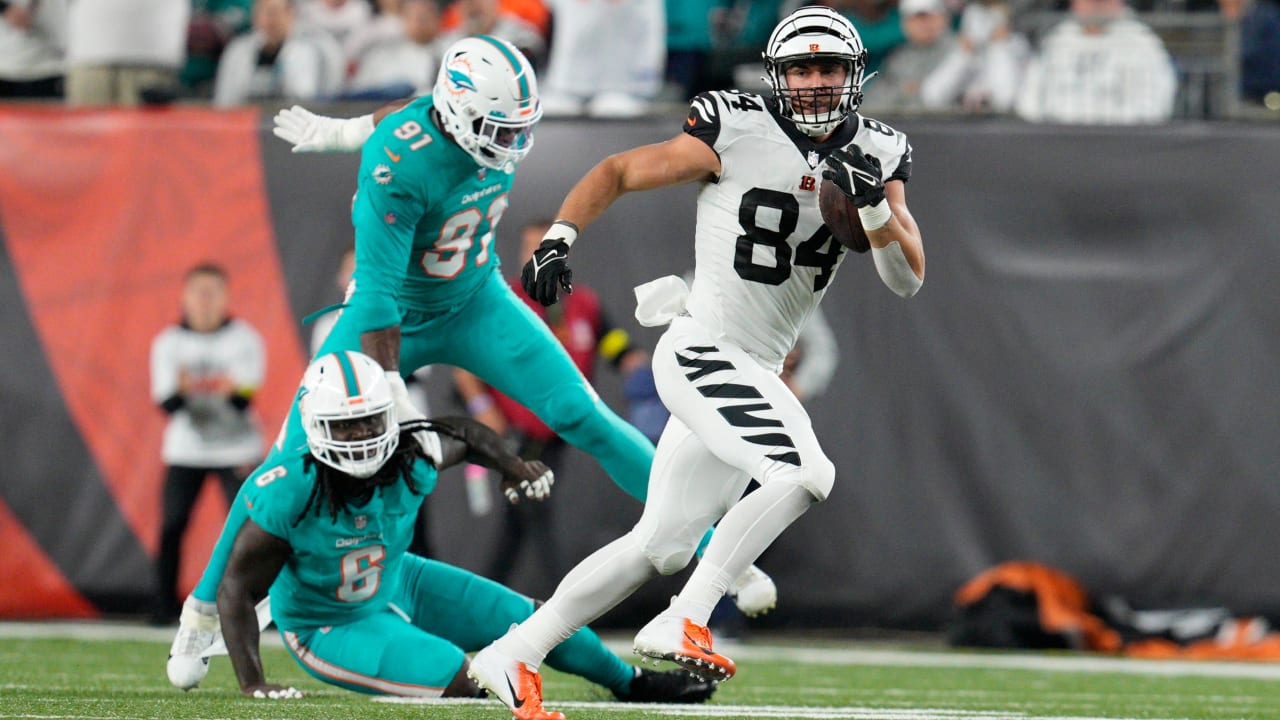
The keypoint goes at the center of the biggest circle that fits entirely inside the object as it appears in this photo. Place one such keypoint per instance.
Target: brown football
(840, 216)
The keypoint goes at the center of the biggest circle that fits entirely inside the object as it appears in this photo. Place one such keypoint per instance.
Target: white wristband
(875, 217)
(355, 131)
(562, 230)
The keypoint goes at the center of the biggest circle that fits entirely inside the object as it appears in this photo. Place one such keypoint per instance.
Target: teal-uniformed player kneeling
(327, 533)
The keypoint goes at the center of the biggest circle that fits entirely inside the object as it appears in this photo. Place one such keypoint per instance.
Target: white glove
(407, 413)
(308, 132)
(288, 693)
(539, 489)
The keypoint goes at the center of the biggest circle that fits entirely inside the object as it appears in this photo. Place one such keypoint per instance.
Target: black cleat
(672, 686)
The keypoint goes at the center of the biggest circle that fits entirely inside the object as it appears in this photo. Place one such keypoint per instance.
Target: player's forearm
(594, 193)
(240, 630)
(483, 445)
(385, 110)
(895, 231)
(383, 345)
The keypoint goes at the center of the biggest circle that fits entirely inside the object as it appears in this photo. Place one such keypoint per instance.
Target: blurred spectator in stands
(607, 57)
(1101, 65)
(488, 17)
(213, 24)
(583, 327)
(1260, 53)
(120, 50)
(278, 60)
(204, 373)
(339, 18)
(385, 27)
(405, 66)
(33, 41)
(811, 364)
(533, 12)
(983, 71)
(690, 43)
(909, 80)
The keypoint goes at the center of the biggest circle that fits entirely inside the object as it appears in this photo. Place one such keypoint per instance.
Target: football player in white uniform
(763, 262)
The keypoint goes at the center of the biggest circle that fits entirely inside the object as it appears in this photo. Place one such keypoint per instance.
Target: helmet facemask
(487, 97)
(348, 414)
(815, 35)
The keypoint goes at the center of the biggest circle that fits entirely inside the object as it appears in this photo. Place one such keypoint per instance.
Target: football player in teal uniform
(327, 533)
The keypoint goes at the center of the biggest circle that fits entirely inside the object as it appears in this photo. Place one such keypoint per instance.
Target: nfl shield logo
(481, 173)
(813, 158)
(361, 521)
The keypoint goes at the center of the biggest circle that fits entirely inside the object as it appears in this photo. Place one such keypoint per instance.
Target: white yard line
(789, 652)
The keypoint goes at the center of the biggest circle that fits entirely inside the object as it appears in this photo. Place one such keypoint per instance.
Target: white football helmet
(348, 413)
(809, 34)
(487, 96)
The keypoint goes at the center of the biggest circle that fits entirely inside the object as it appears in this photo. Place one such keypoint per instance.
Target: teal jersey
(424, 216)
(340, 570)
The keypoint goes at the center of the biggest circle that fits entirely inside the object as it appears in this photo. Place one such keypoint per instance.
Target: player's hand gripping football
(547, 272)
(857, 174)
(534, 481)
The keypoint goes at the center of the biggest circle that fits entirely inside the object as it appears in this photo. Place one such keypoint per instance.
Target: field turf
(109, 671)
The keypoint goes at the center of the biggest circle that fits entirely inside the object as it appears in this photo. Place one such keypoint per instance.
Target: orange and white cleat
(518, 687)
(684, 642)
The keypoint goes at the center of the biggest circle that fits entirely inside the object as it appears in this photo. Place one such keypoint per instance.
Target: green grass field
(85, 672)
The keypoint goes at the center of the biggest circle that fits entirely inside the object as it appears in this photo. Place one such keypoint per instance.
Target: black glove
(856, 174)
(547, 272)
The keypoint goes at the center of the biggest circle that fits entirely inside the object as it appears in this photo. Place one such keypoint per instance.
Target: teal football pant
(416, 647)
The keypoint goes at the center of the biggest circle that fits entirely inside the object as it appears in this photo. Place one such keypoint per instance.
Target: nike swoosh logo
(866, 176)
(537, 266)
(698, 645)
(394, 157)
(516, 700)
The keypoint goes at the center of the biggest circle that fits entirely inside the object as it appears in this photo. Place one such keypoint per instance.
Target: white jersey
(207, 430)
(763, 256)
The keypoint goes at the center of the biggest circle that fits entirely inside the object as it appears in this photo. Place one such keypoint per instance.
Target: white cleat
(518, 687)
(686, 643)
(754, 592)
(198, 630)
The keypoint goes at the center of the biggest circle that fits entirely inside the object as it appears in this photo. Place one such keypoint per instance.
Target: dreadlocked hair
(330, 486)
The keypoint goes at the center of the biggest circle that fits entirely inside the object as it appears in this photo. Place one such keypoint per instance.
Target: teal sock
(585, 656)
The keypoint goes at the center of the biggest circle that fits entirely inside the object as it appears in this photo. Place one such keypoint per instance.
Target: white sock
(697, 600)
(746, 531)
(593, 587)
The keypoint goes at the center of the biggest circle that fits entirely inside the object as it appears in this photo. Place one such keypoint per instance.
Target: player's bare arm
(256, 559)
(463, 438)
(384, 346)
(901, 228)
(682, 159)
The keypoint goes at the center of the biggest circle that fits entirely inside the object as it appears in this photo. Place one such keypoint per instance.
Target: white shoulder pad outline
(732, 113)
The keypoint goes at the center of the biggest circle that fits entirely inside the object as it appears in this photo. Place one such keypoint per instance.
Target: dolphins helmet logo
(459, 71)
